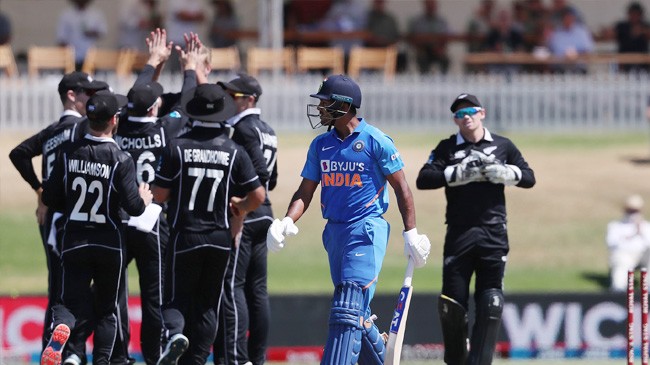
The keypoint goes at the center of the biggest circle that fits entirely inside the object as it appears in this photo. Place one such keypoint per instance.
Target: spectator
(632, 34)
(5, 29)
(224, 21)
(556, 12)
(479, 26)
(137, 19)
(628, 241)
(384, 30)
(428, 35)
(570, 40)
(183, 17)
(345, 16)
(81, 26)
(534, 20)
(503, 36)
(305, 15)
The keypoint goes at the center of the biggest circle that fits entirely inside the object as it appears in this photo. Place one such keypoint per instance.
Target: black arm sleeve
(432, 174)
(127, 186)
(145, 76)
(21, 156)
(54, 188)
(273, 181)
(250, 140)
(527, 174)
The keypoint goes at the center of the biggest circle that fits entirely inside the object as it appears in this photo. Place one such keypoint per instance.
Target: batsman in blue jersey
(353, 162)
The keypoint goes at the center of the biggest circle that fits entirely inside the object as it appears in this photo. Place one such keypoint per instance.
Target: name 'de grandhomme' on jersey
(201, 167)
(91, 180)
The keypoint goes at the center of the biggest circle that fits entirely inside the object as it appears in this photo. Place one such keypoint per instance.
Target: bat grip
(408, 276)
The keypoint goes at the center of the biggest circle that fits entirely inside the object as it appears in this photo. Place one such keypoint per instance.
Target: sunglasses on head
(471, 111)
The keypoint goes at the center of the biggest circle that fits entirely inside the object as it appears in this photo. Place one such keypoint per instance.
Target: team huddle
(178, 183)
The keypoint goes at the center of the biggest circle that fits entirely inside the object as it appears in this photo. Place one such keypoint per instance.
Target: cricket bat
(398, 323)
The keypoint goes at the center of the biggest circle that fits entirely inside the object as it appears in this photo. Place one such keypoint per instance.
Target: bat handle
(408, 276)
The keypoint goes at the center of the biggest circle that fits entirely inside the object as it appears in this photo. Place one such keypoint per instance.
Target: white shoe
(72, 360)
(174, 349)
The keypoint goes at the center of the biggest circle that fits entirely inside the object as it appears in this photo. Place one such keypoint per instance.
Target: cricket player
(197, 174)
(91, 181)
(244, 310)
(474, 166)
(352, 162)
(74, 90)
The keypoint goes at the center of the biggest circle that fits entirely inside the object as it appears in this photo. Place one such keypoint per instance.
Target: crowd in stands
(547, 28)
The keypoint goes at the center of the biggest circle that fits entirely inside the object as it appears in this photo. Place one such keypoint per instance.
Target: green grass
(556, 229)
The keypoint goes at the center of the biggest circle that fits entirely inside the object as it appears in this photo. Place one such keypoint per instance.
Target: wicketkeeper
(474, 166)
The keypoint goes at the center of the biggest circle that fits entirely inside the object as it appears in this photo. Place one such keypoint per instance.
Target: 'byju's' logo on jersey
(342, 166)
(325, 165)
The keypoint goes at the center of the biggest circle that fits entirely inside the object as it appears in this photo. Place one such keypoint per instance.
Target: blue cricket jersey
(352, 172)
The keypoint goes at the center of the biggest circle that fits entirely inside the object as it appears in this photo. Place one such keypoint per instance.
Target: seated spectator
(81, 26)
(304, 15)
(384, 30)
(346, 16)
(570, 40)
(137, 19)
(5, 29)
(632, 35)
(428, 35)
(504, 37)
(224, 21)
(534, 20)
(479, 26)
(628, 241)
(556, 12)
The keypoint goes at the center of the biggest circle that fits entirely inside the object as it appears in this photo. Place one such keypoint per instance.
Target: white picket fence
(601, 102)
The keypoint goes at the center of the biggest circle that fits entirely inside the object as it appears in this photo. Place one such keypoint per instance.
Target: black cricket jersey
(91, 179)
(201, 168)
(46, 142)
(261, 144)
(144, 138)
(475, 203)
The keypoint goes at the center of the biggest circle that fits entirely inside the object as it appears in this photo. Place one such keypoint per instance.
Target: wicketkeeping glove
(278, 231)
(417, 246)
(502, 174)
(468, 170)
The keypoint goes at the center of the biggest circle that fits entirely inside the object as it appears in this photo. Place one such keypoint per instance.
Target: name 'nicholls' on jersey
(352, 172)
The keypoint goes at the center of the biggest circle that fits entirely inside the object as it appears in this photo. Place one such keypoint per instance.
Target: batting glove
(465, 172)
(417, 246)
(278, 231)
(502, 174)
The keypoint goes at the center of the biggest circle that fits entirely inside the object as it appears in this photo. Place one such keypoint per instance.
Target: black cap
(142, 97)
(465, 98)
(103, 105)
(80, 80)
(208, 103)
(339, 88)
(244, 84)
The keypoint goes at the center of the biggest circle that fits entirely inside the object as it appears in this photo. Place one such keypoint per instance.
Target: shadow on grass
(599, 278)
(639, 160)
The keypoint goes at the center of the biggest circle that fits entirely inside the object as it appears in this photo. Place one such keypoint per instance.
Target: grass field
(556, 229)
